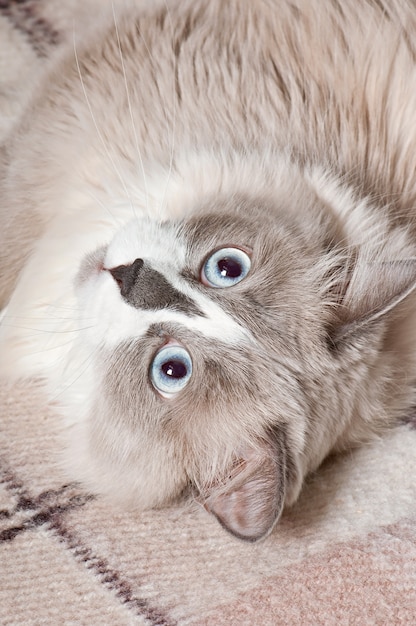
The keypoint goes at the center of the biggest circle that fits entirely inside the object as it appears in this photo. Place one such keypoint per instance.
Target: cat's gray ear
(249, 501)
(371, 291)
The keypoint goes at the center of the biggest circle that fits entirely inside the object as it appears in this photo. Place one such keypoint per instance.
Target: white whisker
(44, 350)
(44, 330)
(64, 307)
(99, 134)
(103, 206)
(175, 98)
(42, 319)
(80, 372)
(130, 110)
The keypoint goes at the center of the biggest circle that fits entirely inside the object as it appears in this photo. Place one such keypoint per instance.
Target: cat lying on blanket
(207, 246)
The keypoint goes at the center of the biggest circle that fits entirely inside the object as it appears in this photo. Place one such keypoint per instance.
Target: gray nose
(126, 276)
(143, 287)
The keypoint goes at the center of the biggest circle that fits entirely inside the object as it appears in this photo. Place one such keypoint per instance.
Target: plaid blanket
(345, 554)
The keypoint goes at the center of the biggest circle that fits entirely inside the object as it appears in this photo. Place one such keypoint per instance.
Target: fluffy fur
(271, 126)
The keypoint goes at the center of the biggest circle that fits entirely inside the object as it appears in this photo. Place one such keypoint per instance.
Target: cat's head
(225, 353)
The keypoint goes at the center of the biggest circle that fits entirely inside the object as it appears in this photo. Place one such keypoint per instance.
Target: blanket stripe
(345, 554)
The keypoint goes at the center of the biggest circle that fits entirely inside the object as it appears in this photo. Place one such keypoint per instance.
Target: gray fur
(176, 130)
(146, 288)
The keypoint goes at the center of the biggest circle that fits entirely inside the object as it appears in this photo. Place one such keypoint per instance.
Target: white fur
(152, 121)
(44, 315)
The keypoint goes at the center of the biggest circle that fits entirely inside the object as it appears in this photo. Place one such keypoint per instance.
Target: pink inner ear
(251, 501)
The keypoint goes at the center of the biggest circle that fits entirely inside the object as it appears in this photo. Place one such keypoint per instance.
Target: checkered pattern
(345, 554)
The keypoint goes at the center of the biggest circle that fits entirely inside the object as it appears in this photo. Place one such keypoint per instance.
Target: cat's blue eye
(170, 370)
(226, 267)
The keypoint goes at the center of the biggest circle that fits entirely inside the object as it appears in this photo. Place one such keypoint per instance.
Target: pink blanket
(345, 554)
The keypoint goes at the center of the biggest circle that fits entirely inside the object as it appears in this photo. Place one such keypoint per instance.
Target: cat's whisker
(136, 140)
(63, 307)
(96, 199)
(56, 346)
(99, 133)
(47, 331)
(159, 209)
(49, 318)
(162, 206)
(80, 372)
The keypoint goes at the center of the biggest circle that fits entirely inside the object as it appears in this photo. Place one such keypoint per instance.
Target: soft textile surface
(345, 554)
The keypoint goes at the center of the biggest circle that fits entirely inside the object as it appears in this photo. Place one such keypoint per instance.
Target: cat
(207, 247)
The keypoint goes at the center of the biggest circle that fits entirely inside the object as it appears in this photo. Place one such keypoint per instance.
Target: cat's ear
(369, 292)
(249, 500)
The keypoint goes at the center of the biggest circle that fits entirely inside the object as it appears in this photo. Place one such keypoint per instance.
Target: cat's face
(197, 357)
(209, 360)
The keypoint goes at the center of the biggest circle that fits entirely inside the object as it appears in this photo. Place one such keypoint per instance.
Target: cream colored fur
(169, 112)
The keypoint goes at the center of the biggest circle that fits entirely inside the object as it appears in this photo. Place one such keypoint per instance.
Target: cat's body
(283, 130)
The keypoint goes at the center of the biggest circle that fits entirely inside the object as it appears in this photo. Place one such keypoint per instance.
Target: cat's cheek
(131, 470)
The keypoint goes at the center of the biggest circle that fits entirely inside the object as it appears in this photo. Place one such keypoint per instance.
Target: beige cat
(207, 246)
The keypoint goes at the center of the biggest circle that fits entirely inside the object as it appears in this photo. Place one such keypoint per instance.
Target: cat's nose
(126, 275)
(145, 288)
